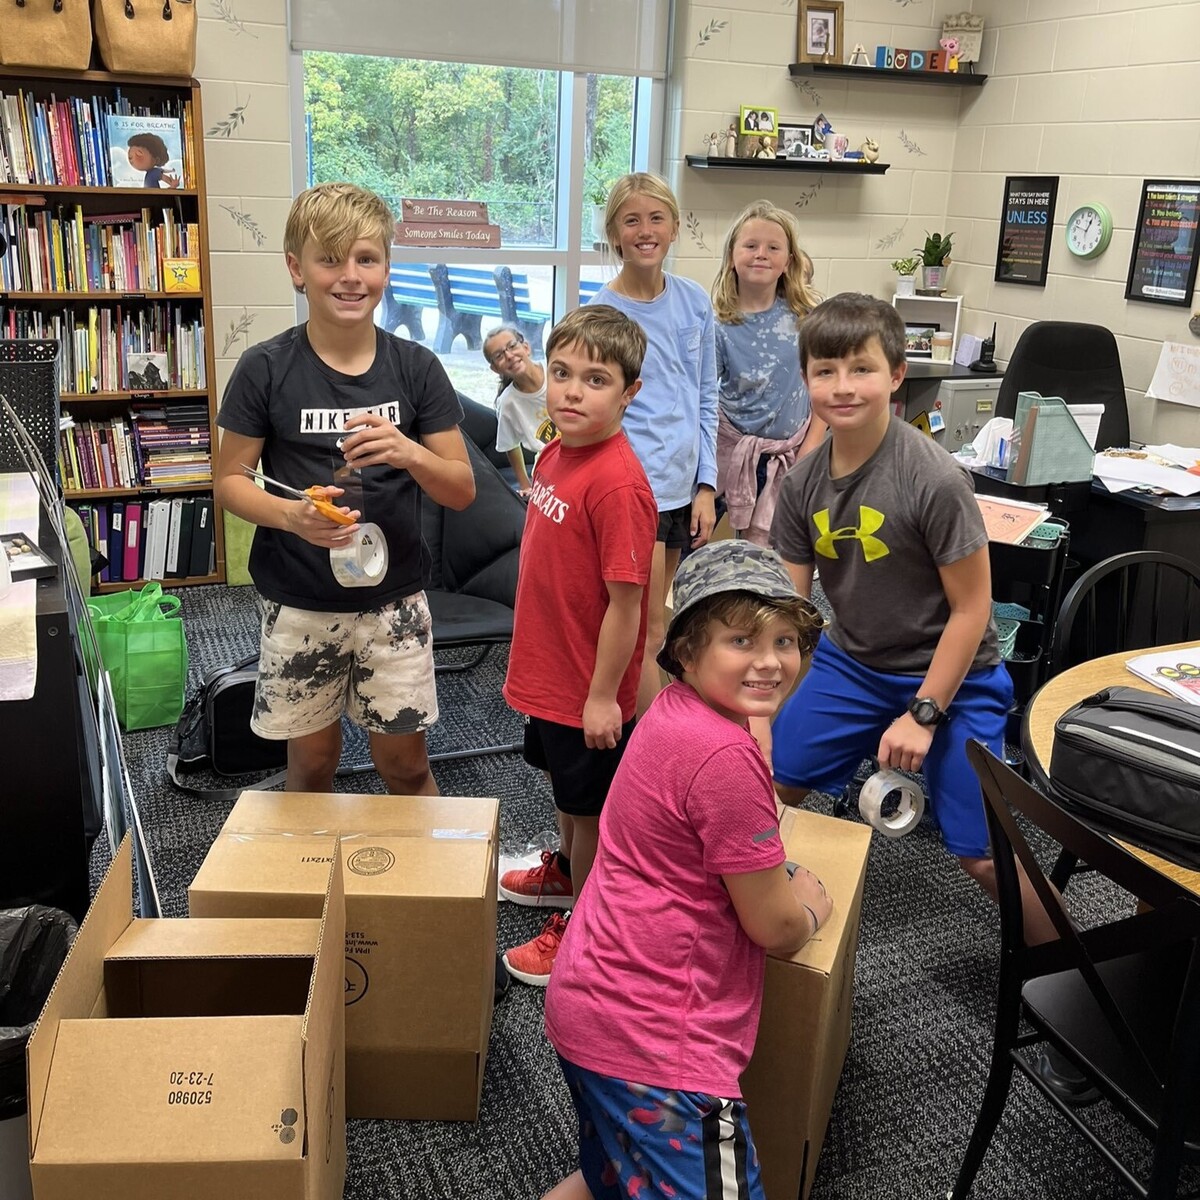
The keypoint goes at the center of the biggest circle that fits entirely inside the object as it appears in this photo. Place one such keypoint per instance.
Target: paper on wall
(1177, 376)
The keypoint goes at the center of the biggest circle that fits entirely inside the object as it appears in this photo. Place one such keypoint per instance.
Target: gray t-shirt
(878, 537)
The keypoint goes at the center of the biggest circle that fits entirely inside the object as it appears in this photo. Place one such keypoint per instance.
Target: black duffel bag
(1128, 762)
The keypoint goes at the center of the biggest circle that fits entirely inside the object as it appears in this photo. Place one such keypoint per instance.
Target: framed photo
(1162, 269)
(793, 140)
(1026, 223)
(918, 338)
(820, 34)
(755, 119)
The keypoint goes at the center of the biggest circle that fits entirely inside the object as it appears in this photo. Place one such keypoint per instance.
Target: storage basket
(55, 34)
(147, 37)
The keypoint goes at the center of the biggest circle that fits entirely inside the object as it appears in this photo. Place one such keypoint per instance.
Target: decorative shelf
(854, 167)
(946, 78)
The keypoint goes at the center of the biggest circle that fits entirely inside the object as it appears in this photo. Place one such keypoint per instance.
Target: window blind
(605, 37)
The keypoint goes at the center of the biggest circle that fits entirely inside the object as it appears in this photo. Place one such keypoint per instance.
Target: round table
(1057, 695)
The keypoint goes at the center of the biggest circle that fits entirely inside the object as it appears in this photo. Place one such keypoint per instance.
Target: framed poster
(1026, 223)
(820, 33)
(1162, 269)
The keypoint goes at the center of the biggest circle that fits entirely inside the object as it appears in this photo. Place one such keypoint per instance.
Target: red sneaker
(539, 887)
(532, 962)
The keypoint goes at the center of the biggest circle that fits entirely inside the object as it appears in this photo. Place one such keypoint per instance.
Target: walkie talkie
(985, 364)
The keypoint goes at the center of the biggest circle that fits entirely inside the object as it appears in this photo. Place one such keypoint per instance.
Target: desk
(1055, 697)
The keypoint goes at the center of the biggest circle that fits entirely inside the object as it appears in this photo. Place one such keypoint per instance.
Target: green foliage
(456, 131)
(905, 266)
(936, 251)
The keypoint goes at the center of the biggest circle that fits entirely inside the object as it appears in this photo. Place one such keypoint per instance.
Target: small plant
(936, 251)
(905, 266)
(597, 188)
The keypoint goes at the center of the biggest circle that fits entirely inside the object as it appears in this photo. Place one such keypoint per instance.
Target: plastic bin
(33, 946)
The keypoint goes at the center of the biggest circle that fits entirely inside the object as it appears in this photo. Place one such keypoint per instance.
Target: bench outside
(587, 290)
(516, 309)
(409, 290)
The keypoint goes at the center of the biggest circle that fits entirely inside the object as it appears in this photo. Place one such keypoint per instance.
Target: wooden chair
(1120, 1000)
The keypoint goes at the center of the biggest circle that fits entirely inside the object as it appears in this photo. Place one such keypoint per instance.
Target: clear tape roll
(364, 561)
(903, 816)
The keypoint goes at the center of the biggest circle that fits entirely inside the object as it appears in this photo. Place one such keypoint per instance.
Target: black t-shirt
(282, 392)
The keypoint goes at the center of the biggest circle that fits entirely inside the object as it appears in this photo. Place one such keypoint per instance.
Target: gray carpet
(922, 1010)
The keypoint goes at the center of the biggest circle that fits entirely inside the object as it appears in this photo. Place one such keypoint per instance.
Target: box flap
(836, 852)
(78, 991)
(174, 1090)
(218, 938)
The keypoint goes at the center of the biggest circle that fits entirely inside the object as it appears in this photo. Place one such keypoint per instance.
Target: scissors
(314, 495)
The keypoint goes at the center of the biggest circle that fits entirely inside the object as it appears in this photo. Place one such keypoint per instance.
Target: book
(1177, 672)
(181, 275)
(147, 372)
(145, 152)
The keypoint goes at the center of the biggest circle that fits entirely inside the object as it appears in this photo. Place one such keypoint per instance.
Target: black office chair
(472, 586)
(1119, 1000)
(1128, 602)
(1078, 363)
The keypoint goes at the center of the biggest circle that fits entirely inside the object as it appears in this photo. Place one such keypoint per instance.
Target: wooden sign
(889, 58)
(447, 233)
(457, 212)
(1163, 267)
(1026, 223)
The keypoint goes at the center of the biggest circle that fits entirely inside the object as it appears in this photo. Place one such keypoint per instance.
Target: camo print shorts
(376, 667)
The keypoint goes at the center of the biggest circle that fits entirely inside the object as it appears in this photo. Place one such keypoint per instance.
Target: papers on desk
(1177, 376)
(1175, 671)
(1181, 456)
(1121, 474)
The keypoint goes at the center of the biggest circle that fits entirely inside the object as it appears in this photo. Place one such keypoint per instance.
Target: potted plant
(597, 193)
(935, 257)
(906, 270)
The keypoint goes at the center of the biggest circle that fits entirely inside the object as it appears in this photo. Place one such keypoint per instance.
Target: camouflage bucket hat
(726, 566)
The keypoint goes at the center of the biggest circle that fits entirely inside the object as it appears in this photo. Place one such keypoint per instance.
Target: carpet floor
(923, 1005)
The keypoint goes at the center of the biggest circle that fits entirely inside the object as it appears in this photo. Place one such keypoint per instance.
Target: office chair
(1118, 1000)
(1078, 363)
(472, 585)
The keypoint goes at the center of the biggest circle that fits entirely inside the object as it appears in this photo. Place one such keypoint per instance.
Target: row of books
(76, 142)
(66, 250)
(152, 539)
(148, 347)
(141, 449)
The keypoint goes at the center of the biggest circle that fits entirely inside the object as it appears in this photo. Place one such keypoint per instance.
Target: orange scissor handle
(316, 496)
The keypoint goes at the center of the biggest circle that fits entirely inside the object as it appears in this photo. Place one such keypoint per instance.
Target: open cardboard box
(420, 881)
(804, 1032)
(192, 1059)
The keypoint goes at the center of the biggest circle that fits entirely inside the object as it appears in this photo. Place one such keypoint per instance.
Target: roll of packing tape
(891, 803)
(364, 561)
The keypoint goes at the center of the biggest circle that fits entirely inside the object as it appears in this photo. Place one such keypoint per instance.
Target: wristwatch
(926, 711)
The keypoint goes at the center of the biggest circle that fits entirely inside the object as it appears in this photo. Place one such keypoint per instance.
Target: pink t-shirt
(656, 981)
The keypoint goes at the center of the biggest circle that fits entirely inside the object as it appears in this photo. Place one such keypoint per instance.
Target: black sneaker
(503, 979)
(1065, 1079)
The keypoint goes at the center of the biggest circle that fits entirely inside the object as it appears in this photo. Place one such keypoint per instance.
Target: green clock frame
(1106, 230)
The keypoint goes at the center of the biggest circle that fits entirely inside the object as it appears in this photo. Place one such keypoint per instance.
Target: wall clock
(1089, 230)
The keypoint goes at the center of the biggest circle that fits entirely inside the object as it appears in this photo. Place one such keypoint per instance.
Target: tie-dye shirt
(761, 388)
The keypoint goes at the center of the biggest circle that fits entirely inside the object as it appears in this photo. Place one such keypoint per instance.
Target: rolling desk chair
(1076, 362)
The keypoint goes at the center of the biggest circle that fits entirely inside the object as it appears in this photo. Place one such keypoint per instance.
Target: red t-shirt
(592, 520)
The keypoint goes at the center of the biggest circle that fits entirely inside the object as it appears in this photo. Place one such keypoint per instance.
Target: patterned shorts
(376, 667)
(642, 1141)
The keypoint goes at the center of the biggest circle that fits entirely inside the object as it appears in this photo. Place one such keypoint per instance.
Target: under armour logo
(870, 521)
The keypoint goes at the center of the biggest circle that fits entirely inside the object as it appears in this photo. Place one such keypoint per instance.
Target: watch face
(925, 712)
(1088, 230)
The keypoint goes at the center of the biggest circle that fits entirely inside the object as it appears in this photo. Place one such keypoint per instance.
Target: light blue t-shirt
(672, 421)
(762, 389)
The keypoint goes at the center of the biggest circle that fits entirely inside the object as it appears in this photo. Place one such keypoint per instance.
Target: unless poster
(1026, 223)
(1163, 267)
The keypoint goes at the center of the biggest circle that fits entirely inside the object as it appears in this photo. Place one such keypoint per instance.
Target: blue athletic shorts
(644, 1141)
(837, 715)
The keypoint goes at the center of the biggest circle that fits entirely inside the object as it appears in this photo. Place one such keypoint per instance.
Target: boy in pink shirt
(654, 1002)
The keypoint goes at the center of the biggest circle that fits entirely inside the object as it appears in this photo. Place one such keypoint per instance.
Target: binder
(102, 541)
(202, 537)
(154, 533)
(149, 532)
(171, 563)
(133, 541)
(116, 541)
(187, 506)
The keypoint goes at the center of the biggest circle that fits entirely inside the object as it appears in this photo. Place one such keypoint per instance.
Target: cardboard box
(192, 1059)
(805, 1028)
(420, 881)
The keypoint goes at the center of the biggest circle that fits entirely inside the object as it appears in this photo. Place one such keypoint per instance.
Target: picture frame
(1166, 251)
(918, 338)
(754, 119)
(820, 38)
(1026, 226)
(794, 140)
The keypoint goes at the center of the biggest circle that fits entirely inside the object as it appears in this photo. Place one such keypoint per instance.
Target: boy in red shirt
(580, 620)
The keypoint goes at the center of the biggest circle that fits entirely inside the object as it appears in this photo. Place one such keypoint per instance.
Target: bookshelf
(103, 265)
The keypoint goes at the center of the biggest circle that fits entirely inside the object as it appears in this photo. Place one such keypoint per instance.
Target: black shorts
(579, 775)
(675, 528)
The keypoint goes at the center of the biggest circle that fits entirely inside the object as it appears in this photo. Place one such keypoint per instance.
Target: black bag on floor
(1128, 761)
(214, 732)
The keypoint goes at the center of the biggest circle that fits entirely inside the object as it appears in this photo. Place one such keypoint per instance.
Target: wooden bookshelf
(63, 183)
